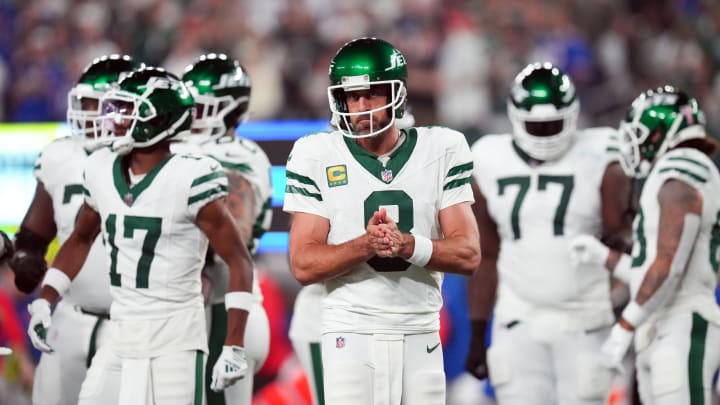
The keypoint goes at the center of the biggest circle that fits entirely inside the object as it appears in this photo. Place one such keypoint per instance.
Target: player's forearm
(312, 262)
(69, 260)
(451, 255)
(240, 273)
(236, 323)
(482, 288)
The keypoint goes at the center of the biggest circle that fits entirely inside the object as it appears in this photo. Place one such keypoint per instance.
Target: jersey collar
(396, 162)
(130, 194)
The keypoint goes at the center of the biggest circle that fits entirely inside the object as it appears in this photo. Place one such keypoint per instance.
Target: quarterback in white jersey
(305, 329)
(536, 188)
(221, 88)
(80, 318)
(156, 211)
(672, 314)
(377, 212)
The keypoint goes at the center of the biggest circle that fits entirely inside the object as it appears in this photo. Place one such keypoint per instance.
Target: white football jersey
(696, 290)
(538, 208)
(60, 169)
(155, 249)
(247, 158)
(329, 175)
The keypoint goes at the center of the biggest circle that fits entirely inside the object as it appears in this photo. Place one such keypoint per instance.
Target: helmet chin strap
(123, 145)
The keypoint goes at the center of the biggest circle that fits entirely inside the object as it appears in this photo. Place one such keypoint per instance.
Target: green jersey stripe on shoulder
(238, 167)
(297, 190)
(460, 168)
(688, 173)
(302, 179)
(457, 183)
(689, 160)
(207, 177)
(221, 189)
(612, 149)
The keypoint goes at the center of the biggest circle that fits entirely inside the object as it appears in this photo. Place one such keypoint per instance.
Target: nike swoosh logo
(432, 349)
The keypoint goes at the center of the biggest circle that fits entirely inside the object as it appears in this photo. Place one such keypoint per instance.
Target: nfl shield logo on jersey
(128, 199)
(339, 342)
(386, 175)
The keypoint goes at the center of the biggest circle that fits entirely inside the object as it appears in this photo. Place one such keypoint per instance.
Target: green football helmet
(221, 89)
(151, 105)
(543, 110)
(358, 65)
(657, 121)
(84, 98)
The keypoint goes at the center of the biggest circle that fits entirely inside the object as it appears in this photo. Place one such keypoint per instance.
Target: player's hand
(29, 269)
(612, 351)
(6, 247)
(586, 249)
(377, 236)
(230, 367)
(39, 324)
(476, 360)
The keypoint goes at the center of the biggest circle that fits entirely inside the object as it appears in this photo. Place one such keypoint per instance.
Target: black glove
(29, 269)
(6, 247)
(475, 362)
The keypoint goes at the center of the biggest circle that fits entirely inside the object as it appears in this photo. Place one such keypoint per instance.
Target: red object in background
(445, 326)
(275, 306)
(11, 331)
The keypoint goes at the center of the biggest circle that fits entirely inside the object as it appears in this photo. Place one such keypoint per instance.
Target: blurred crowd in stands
(462, 53)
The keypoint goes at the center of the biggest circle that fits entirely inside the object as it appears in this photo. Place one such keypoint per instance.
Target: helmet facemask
(337, 97)
(212, 114)
(83, 111)
(84, 99)
(545, 132)
(128, 119)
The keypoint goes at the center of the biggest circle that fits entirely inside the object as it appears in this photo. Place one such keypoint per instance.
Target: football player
(305, 326)
(156, 211)
(80, 318)
(535, 189)
(672, 315)
(378, 214)
(221, 88)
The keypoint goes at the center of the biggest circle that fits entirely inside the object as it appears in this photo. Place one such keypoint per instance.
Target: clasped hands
(384, 236)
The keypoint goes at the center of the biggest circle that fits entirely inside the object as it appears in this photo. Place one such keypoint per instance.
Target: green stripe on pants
(696, 358)
(198, 378)
(316, 356)
(218, 329)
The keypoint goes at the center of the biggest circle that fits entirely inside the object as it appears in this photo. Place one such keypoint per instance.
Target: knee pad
(593, 380)
(666, 370)
(427, 387)
(349, 385)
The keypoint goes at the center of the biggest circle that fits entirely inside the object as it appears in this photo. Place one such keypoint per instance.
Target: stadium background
(462, 55)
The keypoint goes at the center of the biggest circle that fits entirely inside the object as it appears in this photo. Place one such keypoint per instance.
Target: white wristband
(622, 268)
(634, 314)
(422, 251)
(239, 300)
(58, 280)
